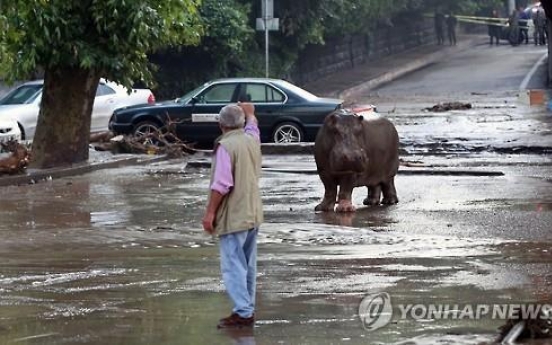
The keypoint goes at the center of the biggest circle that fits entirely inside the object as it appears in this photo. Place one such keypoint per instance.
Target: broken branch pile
(156, 141)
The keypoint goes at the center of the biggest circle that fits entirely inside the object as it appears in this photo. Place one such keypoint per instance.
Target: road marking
(533, 70)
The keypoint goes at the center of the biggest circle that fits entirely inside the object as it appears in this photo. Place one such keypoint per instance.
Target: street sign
(272, 24)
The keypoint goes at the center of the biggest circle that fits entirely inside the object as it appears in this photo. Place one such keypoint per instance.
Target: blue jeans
(238, 263)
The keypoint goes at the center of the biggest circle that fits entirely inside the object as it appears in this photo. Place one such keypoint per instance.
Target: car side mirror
(194, 100)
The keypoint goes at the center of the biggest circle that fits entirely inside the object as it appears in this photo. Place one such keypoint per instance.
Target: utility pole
(511, 6)
(266, 18)
(267, 23)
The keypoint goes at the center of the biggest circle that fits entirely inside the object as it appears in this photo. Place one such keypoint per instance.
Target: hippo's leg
(374, 195)
(344, 202)
(389, 192)
(330, 194)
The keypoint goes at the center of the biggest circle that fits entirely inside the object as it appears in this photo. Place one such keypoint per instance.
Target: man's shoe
(224, 318)
(236, 321)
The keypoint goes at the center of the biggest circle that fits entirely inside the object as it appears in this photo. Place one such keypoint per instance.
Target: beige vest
(241, 209)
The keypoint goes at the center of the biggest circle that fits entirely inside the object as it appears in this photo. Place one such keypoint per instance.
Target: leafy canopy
(109, 36)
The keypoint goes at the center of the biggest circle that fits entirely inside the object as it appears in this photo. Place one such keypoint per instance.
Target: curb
(206, 164)
(34, 176)
(405, 69)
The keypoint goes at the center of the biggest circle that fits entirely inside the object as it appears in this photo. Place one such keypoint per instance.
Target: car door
(268, 104)
(104, 104)
(202, 123)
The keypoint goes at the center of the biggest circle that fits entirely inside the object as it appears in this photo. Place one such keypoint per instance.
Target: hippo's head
(345, 135)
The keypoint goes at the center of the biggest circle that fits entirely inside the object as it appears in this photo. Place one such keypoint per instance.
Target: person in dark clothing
(451, 28)
(523, 26)
(494, 28)
(439, 19)
(513, 22)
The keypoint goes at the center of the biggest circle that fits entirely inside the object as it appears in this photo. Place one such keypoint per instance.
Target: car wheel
(287, 132)
(147, 132)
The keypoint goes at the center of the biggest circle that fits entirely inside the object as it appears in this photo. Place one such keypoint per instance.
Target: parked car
(9, 130)
(286, 113)
(23, 104)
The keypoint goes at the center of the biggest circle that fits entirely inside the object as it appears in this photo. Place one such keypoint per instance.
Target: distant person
(539, 19)
(234, 208)
(494, 28)
(439, 20)
(451, 28)
(513, 22)
(523, 21)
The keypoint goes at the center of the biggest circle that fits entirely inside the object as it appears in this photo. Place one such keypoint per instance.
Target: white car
(9, 130)
(23, 104)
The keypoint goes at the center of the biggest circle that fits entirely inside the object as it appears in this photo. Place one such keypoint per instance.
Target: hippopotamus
(352, 151)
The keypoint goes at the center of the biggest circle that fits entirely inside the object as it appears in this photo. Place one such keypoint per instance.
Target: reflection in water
(110, 209)
(241, 336)
(335, 218)
(47, 206)
(374, 217)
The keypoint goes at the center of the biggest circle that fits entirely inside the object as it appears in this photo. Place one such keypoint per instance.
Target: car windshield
(297, 90)
(189, 95)
(23, 94)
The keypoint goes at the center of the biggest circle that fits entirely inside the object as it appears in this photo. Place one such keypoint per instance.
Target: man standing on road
(523, 26)
(539, 19)
(234, 210)
(439, 20)
(513, 22)
(494, 28)
(451, 28)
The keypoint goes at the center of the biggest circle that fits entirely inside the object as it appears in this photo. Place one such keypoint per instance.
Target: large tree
(76, 43)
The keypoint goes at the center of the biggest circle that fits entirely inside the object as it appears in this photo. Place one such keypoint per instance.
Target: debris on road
(529, 328)
(17, 161)
(155, 143)
(441, 107)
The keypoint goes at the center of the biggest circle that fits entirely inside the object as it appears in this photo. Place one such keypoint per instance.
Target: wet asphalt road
(118, 256)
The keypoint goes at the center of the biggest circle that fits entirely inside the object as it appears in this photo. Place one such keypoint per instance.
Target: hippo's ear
(360, 118)
(332, 119)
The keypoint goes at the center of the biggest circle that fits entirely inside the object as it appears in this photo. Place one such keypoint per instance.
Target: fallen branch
(161, 141)
(101, 137)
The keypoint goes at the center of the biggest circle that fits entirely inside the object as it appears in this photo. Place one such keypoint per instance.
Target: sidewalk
(348, 84)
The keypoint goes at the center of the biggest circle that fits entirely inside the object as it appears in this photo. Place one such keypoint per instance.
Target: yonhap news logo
(376, 311)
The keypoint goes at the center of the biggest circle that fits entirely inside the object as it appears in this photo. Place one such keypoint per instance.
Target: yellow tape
(502, 23)
(484, 20)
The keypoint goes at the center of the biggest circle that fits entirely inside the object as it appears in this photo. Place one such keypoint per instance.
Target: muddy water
(118, 257)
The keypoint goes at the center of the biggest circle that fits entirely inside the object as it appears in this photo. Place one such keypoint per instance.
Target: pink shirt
(223, 180)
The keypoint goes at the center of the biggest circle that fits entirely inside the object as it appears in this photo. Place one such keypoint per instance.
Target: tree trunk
(63, 128)
(549, 38)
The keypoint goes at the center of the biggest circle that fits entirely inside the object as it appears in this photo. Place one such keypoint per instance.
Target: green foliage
(465, 7)
(109, 36)
(227, 31)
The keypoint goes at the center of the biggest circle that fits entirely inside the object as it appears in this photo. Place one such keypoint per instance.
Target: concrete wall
(340, 53)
